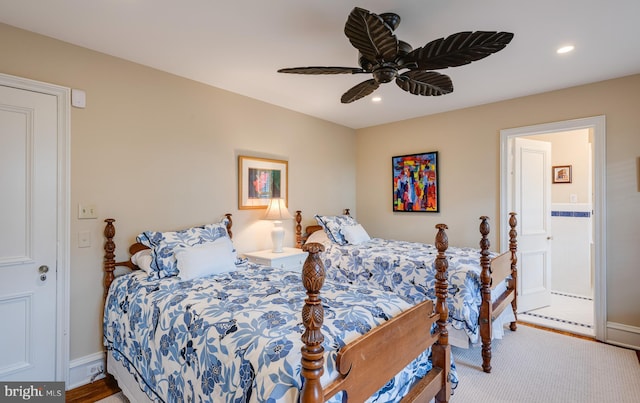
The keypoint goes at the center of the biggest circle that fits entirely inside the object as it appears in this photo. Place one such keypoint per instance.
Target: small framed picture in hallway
(562, 174)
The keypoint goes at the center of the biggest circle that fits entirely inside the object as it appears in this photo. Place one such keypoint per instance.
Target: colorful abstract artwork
(415, 182)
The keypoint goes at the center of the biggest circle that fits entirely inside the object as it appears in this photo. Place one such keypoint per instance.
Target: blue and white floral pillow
(333, 224)
(164, 245)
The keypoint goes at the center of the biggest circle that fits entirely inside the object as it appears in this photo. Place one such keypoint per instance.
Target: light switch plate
(87, 211)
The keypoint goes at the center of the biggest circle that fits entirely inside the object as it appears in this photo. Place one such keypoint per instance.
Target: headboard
(301, 237)
(109, 252)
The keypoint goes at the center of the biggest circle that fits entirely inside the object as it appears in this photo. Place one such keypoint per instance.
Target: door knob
(43, 269)
(549, 238)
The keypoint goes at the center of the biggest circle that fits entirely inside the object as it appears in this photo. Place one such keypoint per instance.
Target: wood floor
(108, 386)
(93, 392)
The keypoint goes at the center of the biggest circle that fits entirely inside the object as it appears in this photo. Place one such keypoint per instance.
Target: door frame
(597, 124)
(63, 224)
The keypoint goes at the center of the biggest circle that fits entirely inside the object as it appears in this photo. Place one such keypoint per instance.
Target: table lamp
(277, 211)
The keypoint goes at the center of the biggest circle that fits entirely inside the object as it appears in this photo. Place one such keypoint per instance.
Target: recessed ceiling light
(565, 49)
(376, 99)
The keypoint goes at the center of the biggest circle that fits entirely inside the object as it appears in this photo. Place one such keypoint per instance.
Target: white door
(28, 235)
(532, 202)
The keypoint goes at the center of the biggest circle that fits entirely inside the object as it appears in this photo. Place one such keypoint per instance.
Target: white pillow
(355, 234)
(319, 237)
(142, 259)
(206, 259)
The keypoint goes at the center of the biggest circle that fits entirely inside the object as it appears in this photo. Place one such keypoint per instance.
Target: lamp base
(277, 236)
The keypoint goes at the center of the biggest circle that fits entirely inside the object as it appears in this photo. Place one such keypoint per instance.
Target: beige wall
(468, 144)
(570, 148)
(156, 151)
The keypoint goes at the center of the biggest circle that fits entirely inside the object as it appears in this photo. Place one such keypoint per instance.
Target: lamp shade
(277, 210)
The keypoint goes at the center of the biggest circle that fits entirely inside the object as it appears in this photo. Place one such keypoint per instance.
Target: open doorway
(561, 282)
(570, 306)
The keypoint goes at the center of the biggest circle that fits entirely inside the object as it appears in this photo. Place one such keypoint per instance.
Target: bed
(247, 332)
(482, 283)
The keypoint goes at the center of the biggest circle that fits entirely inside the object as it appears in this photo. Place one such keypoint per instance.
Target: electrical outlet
(84, 239)
(96, 369)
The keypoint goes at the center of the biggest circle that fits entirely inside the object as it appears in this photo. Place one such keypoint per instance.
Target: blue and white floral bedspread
(407, 268)
(235, 337)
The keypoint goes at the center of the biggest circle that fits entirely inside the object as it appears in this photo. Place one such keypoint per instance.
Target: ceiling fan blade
(428, 83)
(458, 49)
(359, 91)
(368, 33)
(322, 70)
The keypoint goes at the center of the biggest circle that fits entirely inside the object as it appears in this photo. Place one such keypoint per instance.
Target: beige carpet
(533, 365)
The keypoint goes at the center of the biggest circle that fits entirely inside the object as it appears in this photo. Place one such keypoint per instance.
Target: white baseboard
(623, 335)
(80, 370)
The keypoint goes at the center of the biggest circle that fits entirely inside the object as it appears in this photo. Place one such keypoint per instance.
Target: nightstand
(289, 258)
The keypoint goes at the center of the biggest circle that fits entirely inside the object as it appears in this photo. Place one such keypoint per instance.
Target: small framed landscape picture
(562, 174)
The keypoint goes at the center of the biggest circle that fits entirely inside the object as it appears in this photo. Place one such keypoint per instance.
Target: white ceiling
(238, 45)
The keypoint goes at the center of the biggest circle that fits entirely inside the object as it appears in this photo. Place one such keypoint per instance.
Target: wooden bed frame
(493, 272)
(368, 363)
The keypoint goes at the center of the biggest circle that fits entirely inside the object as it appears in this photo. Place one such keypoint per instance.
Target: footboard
(367, 364)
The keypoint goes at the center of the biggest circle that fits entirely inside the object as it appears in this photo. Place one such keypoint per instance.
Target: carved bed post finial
(109, 255)
(298, 229)
(347, 211)
(485, 291)
(442, 287)
(313, 275)
(513, 247)
(229, 224)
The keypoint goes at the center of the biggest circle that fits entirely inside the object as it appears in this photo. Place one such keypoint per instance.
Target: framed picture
(415, 182)
(260, 180)
(562, 174)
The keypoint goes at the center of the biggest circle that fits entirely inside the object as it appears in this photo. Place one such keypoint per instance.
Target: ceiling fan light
(385, 74)
(376, 99)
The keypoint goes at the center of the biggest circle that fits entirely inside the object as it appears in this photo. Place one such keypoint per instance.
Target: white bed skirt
(126, 381)
(459, 338)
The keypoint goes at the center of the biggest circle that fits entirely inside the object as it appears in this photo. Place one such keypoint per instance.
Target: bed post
(298, 229)
(442, 350)
(312, 360)
(485, 291)
(229, 224)
(513, 247)
(347, 212)
(442, 288)
(109, 255)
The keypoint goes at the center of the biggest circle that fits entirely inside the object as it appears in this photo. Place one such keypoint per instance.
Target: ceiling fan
(385, 57)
